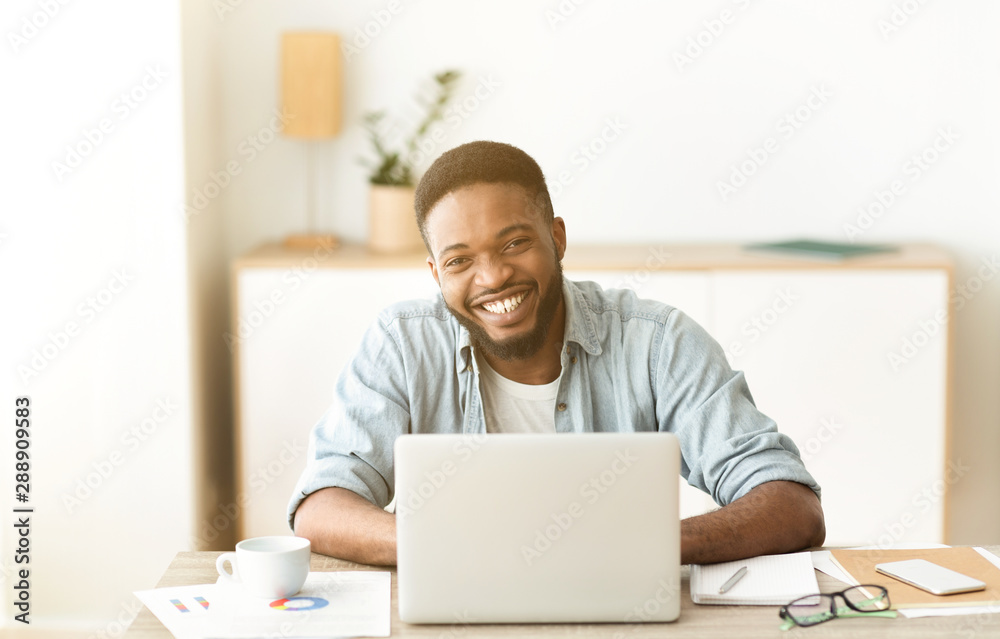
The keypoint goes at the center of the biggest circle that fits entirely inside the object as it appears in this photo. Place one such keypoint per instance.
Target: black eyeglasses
(813, 609)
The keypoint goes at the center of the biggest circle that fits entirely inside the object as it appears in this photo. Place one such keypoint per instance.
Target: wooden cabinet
(815, 347)
(851, 360)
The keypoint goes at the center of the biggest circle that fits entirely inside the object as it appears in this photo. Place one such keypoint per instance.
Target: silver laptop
(538, 528)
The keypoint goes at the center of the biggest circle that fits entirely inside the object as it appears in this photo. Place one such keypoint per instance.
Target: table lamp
(311, 78)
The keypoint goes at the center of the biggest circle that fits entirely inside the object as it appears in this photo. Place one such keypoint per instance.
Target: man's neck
(542, 367)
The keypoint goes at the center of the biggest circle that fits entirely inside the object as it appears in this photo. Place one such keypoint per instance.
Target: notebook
(822, 250)
(771, 580)
(860, 567)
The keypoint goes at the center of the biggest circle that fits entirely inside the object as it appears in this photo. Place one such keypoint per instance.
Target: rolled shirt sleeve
(728, 446)
(351, 446)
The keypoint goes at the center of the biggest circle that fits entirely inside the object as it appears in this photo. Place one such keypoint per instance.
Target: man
(510, 345)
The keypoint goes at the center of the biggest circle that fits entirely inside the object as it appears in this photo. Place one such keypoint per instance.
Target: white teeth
(505, 306)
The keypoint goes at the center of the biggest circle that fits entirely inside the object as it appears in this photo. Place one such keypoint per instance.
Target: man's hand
(776, 517)
(342, 524)
(772, 518)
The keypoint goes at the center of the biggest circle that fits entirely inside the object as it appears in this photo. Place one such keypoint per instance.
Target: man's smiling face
(497, 261)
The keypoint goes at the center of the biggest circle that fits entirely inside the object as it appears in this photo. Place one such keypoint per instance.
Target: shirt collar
(581, 321)
(580, 327)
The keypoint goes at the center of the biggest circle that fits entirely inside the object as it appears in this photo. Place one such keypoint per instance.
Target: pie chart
(299, 603)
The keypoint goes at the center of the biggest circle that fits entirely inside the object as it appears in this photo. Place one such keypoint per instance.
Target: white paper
(822, 562)
(188, 612)
(770, 580)
(330, 604)
(345, 604)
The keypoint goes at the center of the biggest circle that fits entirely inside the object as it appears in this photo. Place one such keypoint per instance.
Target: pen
(732, 580)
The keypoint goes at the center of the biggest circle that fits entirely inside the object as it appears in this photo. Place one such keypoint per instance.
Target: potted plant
(392, 223)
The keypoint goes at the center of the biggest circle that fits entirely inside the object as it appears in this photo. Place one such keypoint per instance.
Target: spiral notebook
(771, 580)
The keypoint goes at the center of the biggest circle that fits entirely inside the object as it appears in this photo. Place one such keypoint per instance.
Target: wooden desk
(724, 622)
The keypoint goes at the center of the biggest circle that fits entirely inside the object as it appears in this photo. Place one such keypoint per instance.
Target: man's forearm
(775, 517)
(342, 524)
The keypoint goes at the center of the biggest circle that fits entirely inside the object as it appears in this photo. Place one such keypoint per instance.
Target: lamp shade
(311, 75)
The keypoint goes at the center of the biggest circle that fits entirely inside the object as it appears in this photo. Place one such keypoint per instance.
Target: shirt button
(573, 359)
(469, 369)
(561, 406)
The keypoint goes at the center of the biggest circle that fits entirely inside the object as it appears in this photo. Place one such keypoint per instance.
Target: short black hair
(483, 161)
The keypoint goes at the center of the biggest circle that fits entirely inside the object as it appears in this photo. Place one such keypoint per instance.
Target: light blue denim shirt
(628, 364)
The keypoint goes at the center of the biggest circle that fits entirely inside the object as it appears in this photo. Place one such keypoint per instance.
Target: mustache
(469, 303)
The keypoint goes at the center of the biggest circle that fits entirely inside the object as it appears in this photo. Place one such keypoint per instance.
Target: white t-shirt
(512, 407)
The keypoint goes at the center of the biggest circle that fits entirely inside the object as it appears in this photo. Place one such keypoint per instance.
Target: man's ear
(434, 270)
(559, 236)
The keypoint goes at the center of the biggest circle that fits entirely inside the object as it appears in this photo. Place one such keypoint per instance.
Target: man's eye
(458, 261)
(517, 242)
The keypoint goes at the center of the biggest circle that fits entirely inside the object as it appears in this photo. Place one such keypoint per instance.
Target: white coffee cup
(268, 566)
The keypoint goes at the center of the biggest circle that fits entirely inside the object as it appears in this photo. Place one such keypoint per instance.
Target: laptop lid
(513, 528)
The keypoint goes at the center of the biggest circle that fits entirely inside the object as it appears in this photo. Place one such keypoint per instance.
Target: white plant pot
(392, 223)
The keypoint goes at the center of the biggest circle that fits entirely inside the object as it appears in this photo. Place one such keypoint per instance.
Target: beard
(517, 346)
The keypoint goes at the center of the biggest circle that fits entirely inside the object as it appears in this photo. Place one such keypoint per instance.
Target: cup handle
(233, 577)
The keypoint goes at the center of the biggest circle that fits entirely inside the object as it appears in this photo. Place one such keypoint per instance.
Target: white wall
(208, 279)
(879, 95)
(111, 399)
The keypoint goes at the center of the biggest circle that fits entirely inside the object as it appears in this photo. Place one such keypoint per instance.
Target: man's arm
(775, 517)
(338, 501)
(342, 524)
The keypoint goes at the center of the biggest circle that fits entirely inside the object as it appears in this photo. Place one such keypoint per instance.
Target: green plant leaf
(395, 167)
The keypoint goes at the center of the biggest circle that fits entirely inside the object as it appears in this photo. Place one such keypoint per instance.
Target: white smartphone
(931, 577)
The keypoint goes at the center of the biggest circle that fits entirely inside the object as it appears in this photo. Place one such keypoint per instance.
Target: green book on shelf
(822, 250)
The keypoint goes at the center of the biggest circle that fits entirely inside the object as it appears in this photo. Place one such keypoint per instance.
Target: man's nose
(494, 274)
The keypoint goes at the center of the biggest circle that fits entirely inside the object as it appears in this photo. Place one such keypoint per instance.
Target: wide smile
(507, 311)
